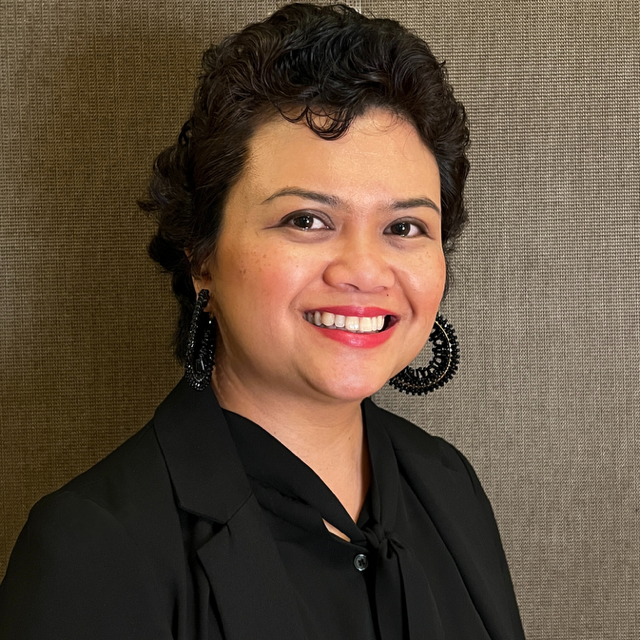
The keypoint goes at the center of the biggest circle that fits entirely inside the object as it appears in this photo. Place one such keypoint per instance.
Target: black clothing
(167, 538)
(395, 579)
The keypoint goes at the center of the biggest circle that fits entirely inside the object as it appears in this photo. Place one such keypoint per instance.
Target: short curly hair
(320, 65)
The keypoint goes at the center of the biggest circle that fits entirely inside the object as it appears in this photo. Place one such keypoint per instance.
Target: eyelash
(412, 223)
(289, 221)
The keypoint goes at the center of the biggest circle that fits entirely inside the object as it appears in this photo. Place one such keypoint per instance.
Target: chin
(353, 389)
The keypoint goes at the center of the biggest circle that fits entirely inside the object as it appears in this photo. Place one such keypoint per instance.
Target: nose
(360, 264)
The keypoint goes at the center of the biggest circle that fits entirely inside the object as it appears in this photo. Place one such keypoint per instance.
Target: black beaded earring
(441, 367)
(201, 345)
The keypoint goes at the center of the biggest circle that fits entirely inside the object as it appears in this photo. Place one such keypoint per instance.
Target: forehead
(380, 155)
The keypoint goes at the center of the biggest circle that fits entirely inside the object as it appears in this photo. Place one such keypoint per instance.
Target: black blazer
(163, 539)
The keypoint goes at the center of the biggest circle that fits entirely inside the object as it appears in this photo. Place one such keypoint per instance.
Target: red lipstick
(362, 340)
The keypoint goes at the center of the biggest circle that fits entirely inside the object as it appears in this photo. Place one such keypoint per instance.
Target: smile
(352, 324)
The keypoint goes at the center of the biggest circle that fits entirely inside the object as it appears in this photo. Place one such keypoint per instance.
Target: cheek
(426, 282)
(259, 286)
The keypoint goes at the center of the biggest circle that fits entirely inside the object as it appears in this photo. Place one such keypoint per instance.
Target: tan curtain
(545, 298)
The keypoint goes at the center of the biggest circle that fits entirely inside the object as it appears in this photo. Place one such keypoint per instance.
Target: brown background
(545, 300)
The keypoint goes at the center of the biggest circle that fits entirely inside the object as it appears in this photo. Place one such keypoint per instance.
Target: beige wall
(546, 297)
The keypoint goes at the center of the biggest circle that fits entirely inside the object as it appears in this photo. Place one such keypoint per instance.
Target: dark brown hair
(302, 62)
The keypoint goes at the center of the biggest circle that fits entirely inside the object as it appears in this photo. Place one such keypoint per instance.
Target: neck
(327, 436)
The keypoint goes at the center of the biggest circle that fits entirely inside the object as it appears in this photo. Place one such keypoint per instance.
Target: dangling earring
(441, 367)
(201, 345)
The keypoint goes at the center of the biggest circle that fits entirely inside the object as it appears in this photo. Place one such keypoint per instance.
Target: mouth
(350, 323)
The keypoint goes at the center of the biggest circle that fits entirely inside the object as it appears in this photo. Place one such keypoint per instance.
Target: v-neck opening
(269, 462)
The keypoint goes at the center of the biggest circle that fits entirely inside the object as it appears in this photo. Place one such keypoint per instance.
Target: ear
(201, 280)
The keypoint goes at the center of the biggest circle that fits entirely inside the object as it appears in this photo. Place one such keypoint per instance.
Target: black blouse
(394, 579)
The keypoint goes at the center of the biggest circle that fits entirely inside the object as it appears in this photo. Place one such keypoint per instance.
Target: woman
(304, 214)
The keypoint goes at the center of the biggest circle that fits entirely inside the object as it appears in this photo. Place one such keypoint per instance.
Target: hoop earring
(201, 345)
(441, 368)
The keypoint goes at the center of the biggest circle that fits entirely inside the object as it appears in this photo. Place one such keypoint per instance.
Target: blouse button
(361, 562)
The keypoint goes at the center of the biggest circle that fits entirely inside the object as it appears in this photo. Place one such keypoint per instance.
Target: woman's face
(319, 240)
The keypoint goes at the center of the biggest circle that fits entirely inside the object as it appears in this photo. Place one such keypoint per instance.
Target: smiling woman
(304, 213)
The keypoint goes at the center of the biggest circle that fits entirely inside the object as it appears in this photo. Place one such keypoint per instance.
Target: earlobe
(203, 283)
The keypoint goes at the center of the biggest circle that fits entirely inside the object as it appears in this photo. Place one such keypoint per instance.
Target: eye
(405, 229)
(306, 222)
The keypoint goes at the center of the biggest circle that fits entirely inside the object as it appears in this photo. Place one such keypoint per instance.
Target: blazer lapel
(251, 592)
(450, 492)
(202, 460)
(249, 583)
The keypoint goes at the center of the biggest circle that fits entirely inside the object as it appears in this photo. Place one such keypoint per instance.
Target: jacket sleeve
(76, 574)
(492, 528)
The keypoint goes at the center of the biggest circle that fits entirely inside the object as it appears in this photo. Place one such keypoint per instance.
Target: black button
(361, 562)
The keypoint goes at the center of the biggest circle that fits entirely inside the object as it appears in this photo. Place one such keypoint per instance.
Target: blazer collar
(206, 472)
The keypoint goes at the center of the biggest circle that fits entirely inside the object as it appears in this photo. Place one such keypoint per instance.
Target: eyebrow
(334, 201)
(323, 198)
(412, 203)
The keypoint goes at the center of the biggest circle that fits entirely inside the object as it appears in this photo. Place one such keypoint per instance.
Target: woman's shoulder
(449, 490)
(133, 473)
(445, 483)
(128, 492)
(110, 538)
(411, 440)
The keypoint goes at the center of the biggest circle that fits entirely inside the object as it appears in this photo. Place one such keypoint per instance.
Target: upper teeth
(354, 324)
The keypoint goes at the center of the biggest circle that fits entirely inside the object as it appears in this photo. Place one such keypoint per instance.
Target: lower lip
(362, 340)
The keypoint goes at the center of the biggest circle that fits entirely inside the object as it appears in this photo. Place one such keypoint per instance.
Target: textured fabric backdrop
(545, 298)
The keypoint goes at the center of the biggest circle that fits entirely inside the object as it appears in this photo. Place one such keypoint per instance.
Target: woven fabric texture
(545, 298)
